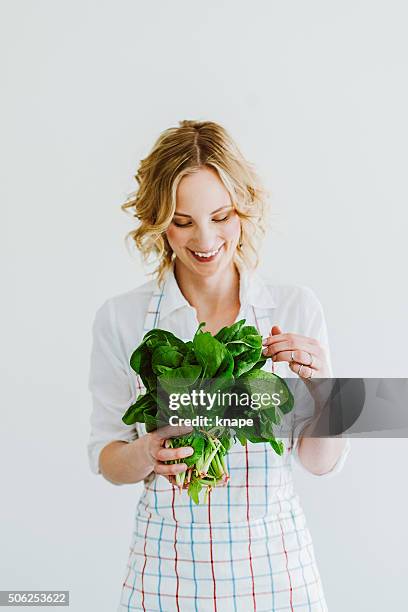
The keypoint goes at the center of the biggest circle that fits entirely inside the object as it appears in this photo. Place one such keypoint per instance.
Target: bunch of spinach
(232, 359)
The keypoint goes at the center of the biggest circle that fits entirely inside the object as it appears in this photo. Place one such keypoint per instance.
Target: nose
(205, 238)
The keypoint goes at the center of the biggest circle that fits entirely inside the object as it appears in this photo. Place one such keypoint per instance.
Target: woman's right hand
(158, 454)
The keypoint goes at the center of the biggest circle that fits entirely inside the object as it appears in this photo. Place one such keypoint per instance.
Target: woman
(201, 211)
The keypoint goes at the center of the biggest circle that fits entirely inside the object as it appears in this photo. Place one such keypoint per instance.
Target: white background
(315, 93)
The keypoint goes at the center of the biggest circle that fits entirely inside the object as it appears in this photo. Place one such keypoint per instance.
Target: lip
(206, 259)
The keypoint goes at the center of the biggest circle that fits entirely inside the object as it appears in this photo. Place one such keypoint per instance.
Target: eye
(181, 224)
(223, 219)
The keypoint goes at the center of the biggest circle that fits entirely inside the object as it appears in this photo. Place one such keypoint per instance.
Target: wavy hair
(180, 151)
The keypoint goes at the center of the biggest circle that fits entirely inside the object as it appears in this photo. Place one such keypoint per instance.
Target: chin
(212, 268)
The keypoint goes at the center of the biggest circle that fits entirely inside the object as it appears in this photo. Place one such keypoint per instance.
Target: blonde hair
(180, 151)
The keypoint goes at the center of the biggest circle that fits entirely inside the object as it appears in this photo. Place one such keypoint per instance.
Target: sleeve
(109, 385)
(314, 326)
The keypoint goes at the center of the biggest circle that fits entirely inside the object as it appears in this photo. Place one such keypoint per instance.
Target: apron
(247, 549)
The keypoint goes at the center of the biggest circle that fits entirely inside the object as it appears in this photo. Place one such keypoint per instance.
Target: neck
(212, 294)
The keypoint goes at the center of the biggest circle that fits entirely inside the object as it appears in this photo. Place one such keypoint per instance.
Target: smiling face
(205, 229)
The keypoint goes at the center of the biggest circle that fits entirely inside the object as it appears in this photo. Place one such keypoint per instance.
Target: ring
(311, 360)
(300, 367)
(292, 356)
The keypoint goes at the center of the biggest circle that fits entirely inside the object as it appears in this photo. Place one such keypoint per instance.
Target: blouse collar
(252, 291)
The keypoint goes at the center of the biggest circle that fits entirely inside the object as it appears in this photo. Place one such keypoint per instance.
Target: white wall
(316, 94)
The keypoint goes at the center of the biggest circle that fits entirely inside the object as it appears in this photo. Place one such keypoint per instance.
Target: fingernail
(265, 351)
(264, 341)
(187, 451)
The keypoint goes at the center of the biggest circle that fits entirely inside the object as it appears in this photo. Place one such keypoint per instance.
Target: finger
(172, 431)
(288, 345)
(169, 454)
(305, 371)
(169, 468)
(308, 359)
(276, 330)
(281, 337)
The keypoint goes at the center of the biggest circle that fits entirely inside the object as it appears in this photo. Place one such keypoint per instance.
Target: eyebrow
(178, 214)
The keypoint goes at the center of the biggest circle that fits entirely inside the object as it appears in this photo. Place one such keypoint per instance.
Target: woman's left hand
(305, 356)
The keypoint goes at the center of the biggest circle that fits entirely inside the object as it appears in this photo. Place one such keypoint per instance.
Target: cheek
(232, 230)
(173, 236)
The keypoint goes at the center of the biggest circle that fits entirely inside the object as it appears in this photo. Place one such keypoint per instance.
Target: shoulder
(300, 310)
(134, 299)
(292, 296)
(119, 321)
(293, 306)
(125, 309)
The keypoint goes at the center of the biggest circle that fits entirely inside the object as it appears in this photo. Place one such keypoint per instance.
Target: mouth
(206, 257)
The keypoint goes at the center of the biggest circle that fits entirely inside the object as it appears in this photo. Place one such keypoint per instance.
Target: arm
(319, 455)
(125, 463)
(110, 387)
(115, 449)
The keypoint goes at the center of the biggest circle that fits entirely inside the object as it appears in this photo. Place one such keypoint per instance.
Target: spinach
(232, 360)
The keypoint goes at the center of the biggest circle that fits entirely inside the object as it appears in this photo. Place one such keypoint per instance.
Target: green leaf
(288, 401)
(257, 380)
(260, 363)
(150, 421)
(241, 437)
(166, 356)
(136, 357)
(197, 444)
(228, 333)
(174, 381)
(249, 341)
(161, 369)
(156, 337)
(199, 331)
(226, 442)
(189, 357)
(278, 446)
(245, 362)
(194, 489)
(135, 414)
(209, 352)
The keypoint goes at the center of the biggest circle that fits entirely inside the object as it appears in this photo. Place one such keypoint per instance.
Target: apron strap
(151, 321)
(264, 325)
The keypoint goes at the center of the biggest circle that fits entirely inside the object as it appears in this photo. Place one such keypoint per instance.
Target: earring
(240, 239)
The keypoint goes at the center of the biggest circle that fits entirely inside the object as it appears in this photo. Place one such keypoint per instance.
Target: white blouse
(118, 330)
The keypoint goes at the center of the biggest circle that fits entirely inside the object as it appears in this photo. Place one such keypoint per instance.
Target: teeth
(207, 254)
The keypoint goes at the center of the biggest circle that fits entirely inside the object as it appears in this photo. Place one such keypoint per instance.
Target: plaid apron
(247, 549)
